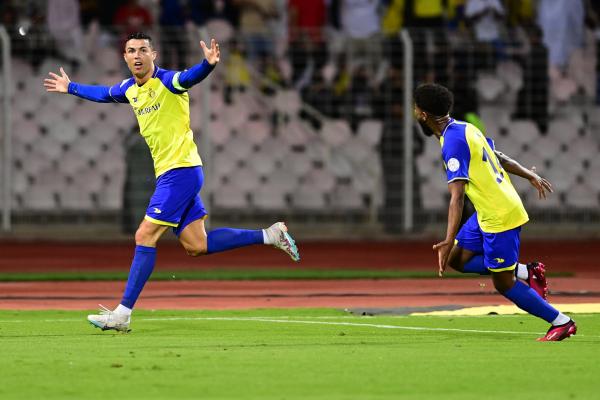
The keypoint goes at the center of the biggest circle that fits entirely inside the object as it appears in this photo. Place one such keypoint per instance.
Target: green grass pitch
(293, 354)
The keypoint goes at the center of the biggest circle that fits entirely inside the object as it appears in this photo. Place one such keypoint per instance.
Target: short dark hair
(140, 35)
(434, 99)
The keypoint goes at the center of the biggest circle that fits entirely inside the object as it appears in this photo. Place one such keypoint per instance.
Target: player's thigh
(459, 257)
(501, 250)
(148, 233)
(193, 238)
(469, 242)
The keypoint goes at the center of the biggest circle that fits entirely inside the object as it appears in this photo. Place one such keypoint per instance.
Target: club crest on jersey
(135, 99)
(151, 93)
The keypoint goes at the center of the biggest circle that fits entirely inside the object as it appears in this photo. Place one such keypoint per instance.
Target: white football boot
(108, 319)
(281, 239)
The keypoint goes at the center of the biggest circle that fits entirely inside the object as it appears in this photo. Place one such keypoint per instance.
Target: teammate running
(161, 105)
(489, 241)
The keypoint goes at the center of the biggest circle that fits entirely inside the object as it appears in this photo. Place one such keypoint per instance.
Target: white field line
(309, 322)
(379, 326)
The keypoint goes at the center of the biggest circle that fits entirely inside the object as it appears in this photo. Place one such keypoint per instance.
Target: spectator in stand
(361, 26)
(173, 35)
(255, 16)
(425, 13)
(307, 49)
(64, 26)
(425, 19)
(202, 11)
(130, 18)
(487, 17)
(562, 24)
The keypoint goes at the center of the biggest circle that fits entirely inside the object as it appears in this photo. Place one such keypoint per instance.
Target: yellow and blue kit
(494, 228)
(161, 106)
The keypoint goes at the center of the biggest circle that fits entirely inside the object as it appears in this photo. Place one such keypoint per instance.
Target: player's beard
(427, 131)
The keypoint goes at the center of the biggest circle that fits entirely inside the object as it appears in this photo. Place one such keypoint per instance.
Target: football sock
(121, 309)
(521, 271)
(561, 319)
(141, 269)
(528, 300)
(222, 239)
(475, 265)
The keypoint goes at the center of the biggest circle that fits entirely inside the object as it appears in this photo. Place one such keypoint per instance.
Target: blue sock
(223, 239)
(475, 265)
(528, 300)
(141, 269)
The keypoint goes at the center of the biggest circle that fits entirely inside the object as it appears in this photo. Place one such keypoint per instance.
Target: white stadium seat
(489, 86)
(321, 179)
(346, 197)
(295, 133)
(229, 196)
(335, 132)
(370, 131)
(582, 196)
(257, 131)
(306, 197)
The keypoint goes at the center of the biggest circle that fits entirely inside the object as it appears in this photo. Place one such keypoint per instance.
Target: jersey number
(496, 168)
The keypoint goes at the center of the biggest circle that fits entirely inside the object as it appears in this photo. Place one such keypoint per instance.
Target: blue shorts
(176, 200)
(500, 250)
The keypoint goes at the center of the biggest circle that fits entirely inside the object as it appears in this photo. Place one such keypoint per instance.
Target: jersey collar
(450, 122)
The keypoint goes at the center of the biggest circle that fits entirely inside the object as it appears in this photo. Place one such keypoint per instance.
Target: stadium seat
(346, 197)
(370, 131)
(295, 133)
(50, 147)
(321, 179)
(269, 197)
(65, 132)
(219, 132)
(339, 165)
(287, 102)
(562, 130)
(306, 197)
(298, 162)
(256, 131)
(511, 74)
(582, 195)
(26, 131)
(524, 132)
(489, 87)
(240, 147)
(356, 149)
(335, 132)
(228, 196)
(246, 179)
(40, 198)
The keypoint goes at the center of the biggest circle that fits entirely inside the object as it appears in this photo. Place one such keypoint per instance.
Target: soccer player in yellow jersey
(489, 241)
(161, 105)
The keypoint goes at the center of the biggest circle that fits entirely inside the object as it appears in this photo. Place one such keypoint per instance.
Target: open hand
(57, 83)
(443, 250)
(212, 55)
(542, 185)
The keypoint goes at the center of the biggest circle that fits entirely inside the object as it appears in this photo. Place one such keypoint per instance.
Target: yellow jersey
(162, 109)
(468, 155)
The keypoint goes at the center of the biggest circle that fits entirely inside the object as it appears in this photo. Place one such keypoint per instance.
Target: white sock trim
(121, 309)
(522, 272)
(266, 237)
(560, 319)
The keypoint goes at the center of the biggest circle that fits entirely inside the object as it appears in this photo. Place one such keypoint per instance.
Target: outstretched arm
(512, 166)
(198, 72)
(62, 84)
(455, 209)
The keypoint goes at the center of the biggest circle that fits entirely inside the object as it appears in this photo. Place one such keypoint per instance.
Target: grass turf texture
(242, 274)
(322, 355)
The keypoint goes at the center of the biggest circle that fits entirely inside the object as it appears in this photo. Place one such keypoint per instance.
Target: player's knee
(195, 251)
(143, 237)
(502, 282)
